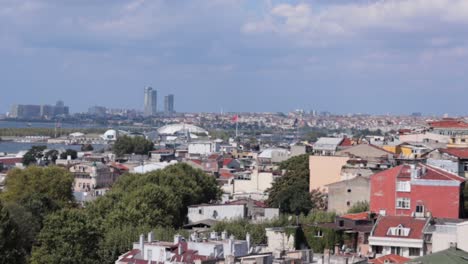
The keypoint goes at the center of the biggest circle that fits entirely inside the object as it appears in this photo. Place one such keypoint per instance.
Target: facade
(343, 195)
(417, 190)
(151, 99)
(201, 212)
(90, 176)
(399, 235)
(169, 103)
(325, 170)
(39, 111)
(195, 250)
(202, 148)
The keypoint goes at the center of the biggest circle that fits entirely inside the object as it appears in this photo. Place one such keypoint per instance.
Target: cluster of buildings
(39, 111)
(412, 179)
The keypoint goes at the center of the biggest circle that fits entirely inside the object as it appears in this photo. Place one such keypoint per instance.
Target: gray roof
(327, 143)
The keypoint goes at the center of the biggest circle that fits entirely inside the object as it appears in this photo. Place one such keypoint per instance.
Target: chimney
(142, 244)
(177, 239)
(180, 250)
(247, 238)
(69, 157)
(213, 235)
(224, 235)
(150, 236)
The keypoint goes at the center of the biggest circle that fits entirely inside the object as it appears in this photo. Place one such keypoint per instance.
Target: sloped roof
(416, 226)
(461, 153)
(449, 123)
(448, 256)
(389, 259)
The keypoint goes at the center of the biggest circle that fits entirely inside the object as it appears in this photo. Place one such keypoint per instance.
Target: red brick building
(417, 190)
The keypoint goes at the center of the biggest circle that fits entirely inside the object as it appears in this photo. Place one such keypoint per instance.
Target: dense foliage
(291, 192)
(30, 196)
(48, 132)
(359, 207)
(10, 247)
(69, 152)
(33, 155)
(132, 145)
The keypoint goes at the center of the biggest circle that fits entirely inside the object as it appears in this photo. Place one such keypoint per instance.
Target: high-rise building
(39, 111)
(151, 99)
(169, 103)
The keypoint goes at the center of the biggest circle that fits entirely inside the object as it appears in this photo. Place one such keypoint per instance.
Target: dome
(110, 135)
(181, 128)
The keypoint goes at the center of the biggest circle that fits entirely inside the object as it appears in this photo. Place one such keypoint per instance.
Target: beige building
(343, 195)
(90, 176)
(325, 170)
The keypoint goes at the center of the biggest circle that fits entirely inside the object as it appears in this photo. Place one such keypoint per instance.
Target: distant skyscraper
(169, 103)
(151, 99)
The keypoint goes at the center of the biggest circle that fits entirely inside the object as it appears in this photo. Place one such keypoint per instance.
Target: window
(419, 208)
(395, 250)
(466, 166)
(403, 186)
(403, 203)
(378, 249)
(348, 203)
(200, 211)
(398, 231)
(319, 233)
(349, 190)
(414, 252)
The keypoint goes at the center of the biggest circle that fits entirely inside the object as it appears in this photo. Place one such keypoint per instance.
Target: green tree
(51, 155)
(68, 236)
(69, 152)
(87, 147)
(359, 207)
(36, 183)
(10, 249)
(291, 192)
(129, 145)
(33, 155)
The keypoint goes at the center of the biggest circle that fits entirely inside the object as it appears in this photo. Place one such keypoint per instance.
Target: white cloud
(353, 19)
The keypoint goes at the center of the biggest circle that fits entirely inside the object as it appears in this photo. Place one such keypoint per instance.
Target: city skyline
(374, 57)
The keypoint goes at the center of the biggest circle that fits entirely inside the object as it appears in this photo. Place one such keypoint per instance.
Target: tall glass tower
(169, 103)
(151, 100)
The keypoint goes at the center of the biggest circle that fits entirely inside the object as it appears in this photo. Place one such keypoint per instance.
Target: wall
(259, 182)
(325, 170)
(338, 194)
(228, 212)
(462, 236)
(279, 240)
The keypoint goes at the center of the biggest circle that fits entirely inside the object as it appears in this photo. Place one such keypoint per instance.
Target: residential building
(272, 156)
(326, 146)
(389, 259)
(325, 170)
(233, 210)
(454, 160)
(399, 235)
(151, 101)
(92, 175)
(195, 250)
(417, 190)
(202, 148)
(343, 195)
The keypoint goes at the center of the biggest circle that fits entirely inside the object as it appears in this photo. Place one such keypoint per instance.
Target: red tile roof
(416, 226)
(461, 153)
(226, 175)
(227, 161)
(392, 258)
(119, 166)
(10, 160)
(357, 216)
(448, 123)
(431, 173)
(346, 142)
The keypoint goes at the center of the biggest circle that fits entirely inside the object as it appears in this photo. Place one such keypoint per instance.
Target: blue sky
(394, 56)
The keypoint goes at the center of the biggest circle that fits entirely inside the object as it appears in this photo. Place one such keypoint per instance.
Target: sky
(342, 56)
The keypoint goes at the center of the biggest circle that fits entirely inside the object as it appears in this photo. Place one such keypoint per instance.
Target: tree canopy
(10, 249)
(359, 207)
(33, 155)
(291, 192)
(68, 236)
(129, 145)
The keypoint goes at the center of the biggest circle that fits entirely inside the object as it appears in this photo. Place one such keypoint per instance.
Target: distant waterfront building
(39, 111)
(97, 110)
(169, 103)
(151, 99)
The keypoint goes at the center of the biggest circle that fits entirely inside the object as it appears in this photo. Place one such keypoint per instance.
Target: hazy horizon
(376, 57)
